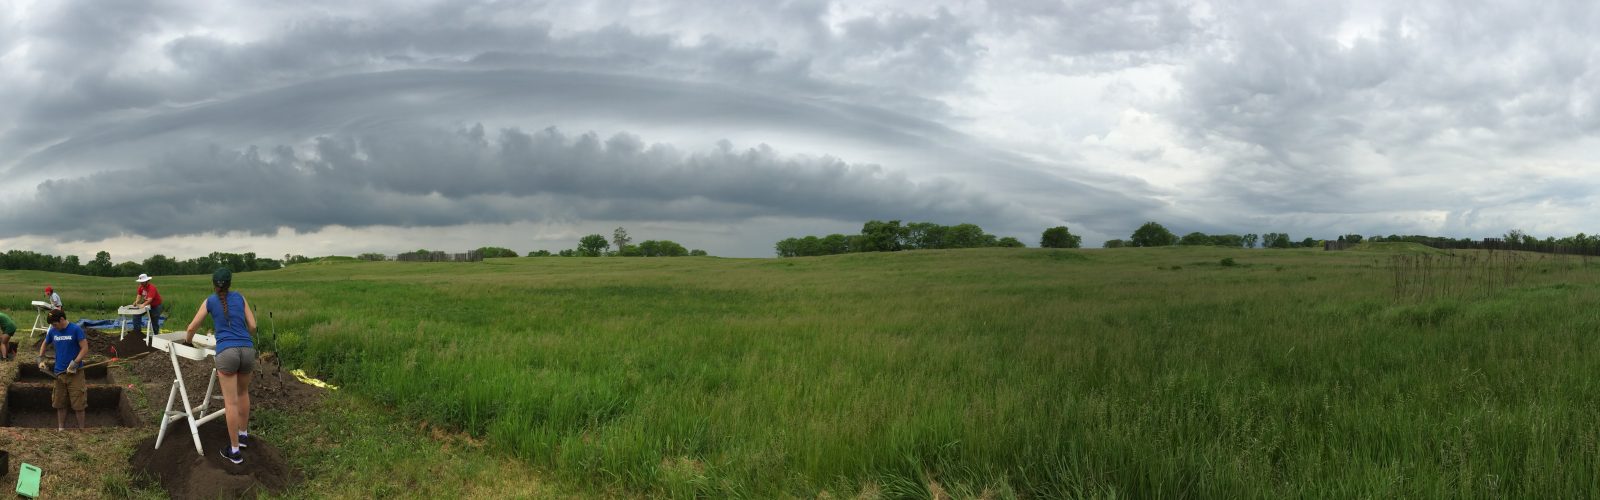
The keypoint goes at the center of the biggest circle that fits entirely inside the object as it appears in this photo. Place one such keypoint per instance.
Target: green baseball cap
(222, 275)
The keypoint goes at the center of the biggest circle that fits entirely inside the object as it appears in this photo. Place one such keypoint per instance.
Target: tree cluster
(892, 236)
(1153, 234)
(596, 245)
(159, 265)
(1060, 237)
(1515, 239)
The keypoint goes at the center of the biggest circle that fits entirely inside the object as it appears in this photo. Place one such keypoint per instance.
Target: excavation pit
(30, 374)
(28, 406)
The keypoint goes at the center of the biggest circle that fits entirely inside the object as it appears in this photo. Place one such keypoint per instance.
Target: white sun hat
(143, 278)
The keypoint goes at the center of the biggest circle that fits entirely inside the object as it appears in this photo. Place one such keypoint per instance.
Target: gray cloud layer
(1427, 93)
(427, 178)
(1310, 117)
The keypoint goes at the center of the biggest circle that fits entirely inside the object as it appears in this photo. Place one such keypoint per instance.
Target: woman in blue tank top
(234, 325)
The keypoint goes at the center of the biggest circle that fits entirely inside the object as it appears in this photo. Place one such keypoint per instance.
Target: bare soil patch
(133, 344)
(185, 474)
(270, 386)
(95, 375)
(28, 406)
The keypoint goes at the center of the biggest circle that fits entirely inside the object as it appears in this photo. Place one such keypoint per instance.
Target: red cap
(47, 289)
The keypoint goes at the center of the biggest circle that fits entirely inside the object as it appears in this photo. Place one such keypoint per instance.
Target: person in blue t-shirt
(71, 346)
(234, 325)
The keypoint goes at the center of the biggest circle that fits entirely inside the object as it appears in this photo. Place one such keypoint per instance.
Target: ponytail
(222, 295)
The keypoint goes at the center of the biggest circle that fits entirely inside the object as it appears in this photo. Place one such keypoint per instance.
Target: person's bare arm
(249, 318)
(195, 323)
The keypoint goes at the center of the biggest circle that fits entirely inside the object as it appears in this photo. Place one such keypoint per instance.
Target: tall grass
(1035, 373)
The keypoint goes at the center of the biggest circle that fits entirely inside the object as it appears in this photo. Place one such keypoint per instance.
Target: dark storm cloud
(88, 57)
(378, 105)
(423, 178)
(1300, 115)
(377, 99)
(132, 91)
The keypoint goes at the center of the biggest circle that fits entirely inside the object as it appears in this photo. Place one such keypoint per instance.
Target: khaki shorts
(237, 360)
(74, 387)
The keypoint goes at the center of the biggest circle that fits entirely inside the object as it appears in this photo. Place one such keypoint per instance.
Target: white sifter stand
(39, 323)
(205, 347)
(129, 314)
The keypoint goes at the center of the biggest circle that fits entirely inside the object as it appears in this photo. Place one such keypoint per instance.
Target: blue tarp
(116, 324)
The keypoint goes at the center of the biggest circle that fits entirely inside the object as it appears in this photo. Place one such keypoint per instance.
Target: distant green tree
(1060, 237)
(1251, 239)
(697, 253)
(1009, 242)
(496, 252)
(1276, 240)
(1195, 239)
(925, 235)
(966, 236)
(101, 265)
(1152, 234)
(593, 245)
(129, 268)
(372, 256)
(568, 252)
(835, 244)
(666, 248)
(161, 265)
(539, 253)
(1309, 242)
(880, 236)
(1227, 240)
(788, 247)
(619, 238)
(1114, 243)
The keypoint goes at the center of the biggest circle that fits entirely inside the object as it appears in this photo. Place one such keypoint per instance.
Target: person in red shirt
(149, 297)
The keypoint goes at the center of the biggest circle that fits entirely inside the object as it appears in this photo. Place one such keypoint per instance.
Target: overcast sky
(316, 128)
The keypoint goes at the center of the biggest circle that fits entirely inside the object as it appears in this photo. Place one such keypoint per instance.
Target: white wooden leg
(166, 415)
(210, 387)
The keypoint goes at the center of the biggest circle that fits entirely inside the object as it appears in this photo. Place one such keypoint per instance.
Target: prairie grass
(991, 372)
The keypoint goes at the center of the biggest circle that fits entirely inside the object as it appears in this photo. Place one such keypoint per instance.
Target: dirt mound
(133, 344)
(100, 342)
(184, 474)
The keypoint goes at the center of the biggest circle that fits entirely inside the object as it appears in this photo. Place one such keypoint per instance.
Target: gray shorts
(237, 360)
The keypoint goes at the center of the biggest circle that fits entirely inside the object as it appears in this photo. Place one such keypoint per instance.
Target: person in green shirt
(7, 329)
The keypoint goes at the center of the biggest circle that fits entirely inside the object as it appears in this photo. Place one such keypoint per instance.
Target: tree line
(1153, 234)
(161, 265)
(596, 245)
(1515, 239)
(892, 236)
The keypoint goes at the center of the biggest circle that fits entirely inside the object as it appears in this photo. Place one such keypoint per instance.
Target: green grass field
(994, 372)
